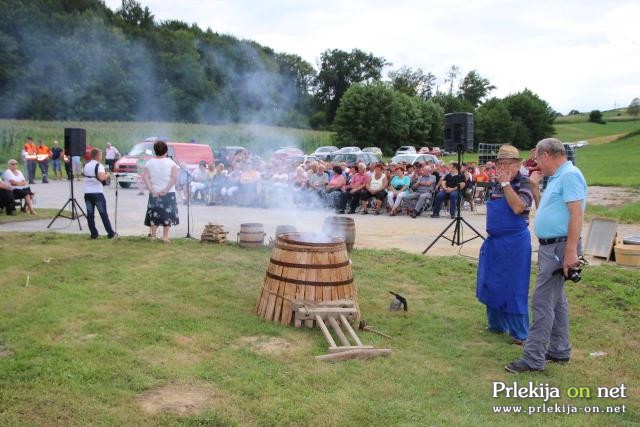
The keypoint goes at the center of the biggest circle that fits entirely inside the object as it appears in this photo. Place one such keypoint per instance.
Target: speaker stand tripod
(76, 209)
(457, 238)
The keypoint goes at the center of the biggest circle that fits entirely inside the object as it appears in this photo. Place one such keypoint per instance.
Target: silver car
(324, 152)
(412, 159)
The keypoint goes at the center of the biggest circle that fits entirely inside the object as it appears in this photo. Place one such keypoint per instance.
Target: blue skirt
(517, 325)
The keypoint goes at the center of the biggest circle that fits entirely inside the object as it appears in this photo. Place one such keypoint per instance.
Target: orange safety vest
(43, 153)
(31, 150)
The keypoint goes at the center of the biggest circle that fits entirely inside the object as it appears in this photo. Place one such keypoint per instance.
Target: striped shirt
(522, 187)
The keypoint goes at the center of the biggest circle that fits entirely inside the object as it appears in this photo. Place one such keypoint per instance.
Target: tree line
(79, 60)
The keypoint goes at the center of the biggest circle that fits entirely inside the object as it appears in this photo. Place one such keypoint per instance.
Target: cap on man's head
(202, 163)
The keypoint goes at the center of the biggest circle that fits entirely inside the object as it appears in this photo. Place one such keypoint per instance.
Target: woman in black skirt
(160, 175)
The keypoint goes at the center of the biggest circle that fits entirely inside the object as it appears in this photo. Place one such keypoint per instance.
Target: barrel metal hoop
(308, 283)
(317, 266)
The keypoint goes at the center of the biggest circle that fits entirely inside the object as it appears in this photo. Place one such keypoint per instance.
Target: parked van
(129, 167)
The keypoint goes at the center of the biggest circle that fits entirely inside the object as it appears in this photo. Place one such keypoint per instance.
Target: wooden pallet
(214, 233)
(338, 314)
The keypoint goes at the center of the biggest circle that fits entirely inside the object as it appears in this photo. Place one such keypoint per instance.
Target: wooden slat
(354, 354)
(340, 349)
(336, 328)
(350, 330)
(325, 332)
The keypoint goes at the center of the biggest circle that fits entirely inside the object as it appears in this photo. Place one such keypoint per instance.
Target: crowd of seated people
(377, 188)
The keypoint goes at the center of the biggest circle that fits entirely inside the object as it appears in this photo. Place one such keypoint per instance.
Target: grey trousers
(418, 201)
(549, 332)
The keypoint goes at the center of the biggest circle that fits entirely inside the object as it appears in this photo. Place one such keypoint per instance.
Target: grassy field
(593, 132)
(124, 134)
(619, 114)
(104, 325)
(629, 213)
(612, 164)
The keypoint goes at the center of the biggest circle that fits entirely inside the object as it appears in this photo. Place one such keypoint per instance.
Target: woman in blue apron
(504, 266)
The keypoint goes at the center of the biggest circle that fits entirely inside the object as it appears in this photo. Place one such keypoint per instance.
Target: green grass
(628, 213)
(619, 114)
(613, 164)
(104, 321)
(41, 213)
(572, 132)
(13, 134)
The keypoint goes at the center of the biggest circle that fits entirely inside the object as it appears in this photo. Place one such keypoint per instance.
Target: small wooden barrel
(285, 229)
(305, 267)
(628, 255)
(251, 235)
(339, 226)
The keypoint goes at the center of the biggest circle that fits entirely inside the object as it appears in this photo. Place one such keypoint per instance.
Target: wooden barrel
(340, 226)
(285, 229)
(304, 267)
(628, 255)
(251, 235)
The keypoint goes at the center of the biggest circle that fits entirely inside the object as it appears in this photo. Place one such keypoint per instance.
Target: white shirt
(91, 183)
(9, 176)
(160, 173)
(111, 153)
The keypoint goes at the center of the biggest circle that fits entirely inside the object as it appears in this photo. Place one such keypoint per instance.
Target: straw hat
(508, 152)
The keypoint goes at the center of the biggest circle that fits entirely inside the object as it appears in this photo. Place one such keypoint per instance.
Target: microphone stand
(189, 178)
(116, 176)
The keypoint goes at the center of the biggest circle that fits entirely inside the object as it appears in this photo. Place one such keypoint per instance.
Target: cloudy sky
(575, 54)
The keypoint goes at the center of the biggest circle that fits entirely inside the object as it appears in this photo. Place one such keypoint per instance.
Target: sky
(575, 54)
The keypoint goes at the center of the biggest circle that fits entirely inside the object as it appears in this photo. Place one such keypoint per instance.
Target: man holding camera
(557, 224)
(96, 178)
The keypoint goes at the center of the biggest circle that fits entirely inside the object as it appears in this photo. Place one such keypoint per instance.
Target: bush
(596, 117)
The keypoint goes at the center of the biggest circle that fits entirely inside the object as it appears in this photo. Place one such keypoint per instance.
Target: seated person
(232, 184)
(448, 189)
(357, 187)
(375, 188)
(300, 186)
(248, 193)
(7, 201)
(217, 183)
(334, 194)
(397, 190)
(199, 180)
(19, 186)
(279, 186)
(317, 182)
(421, 191)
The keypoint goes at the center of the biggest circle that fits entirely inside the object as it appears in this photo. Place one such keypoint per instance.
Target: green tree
(133, 14)
(413, 82)
(533, 118)
(474, 88)
(634, 107)
(451, 76)
(493, 123)
(595, 116)
(452, 103)
(339, 70)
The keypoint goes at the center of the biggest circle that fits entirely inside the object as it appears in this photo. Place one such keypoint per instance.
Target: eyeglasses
(13, 164)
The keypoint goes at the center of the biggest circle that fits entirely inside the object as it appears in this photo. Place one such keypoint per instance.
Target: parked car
(129, 167)
(324, 152)
(436, 151)
(373, 150)
(412, 159)
(406, 149)
(351, 159)
(301, 159)
(284, 152)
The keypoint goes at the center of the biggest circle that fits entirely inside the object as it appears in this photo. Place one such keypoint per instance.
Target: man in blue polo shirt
(558, 224)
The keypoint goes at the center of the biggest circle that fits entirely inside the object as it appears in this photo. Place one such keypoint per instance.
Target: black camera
(573, 274)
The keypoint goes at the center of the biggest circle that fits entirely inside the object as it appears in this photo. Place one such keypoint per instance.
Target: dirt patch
(612, 196)
(180, 399)
(183, 340)
(266, 345)
(4, 351)
(605, 139)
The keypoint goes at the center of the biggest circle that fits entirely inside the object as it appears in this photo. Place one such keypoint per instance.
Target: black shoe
(413, 215)
(45, 181)
(340, 211)
(453, 216)
(519, 367)
(31, 182)
(551, 359)
(114, 236)
(434, 216)
(94, 237)
(13, 212)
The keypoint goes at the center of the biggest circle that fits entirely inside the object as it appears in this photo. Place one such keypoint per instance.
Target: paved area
(382, 232)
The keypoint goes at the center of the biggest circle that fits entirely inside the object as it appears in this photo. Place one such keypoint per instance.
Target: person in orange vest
(43, 155)
(30, 156)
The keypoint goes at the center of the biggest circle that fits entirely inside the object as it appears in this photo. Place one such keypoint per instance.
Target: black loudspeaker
(75, 141)
(458, 131)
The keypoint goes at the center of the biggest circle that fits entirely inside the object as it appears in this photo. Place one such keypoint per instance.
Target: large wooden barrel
(340, 226)
(251, 235)
(306, 267)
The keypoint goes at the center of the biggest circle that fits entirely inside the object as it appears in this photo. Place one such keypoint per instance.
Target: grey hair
(552, 146)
